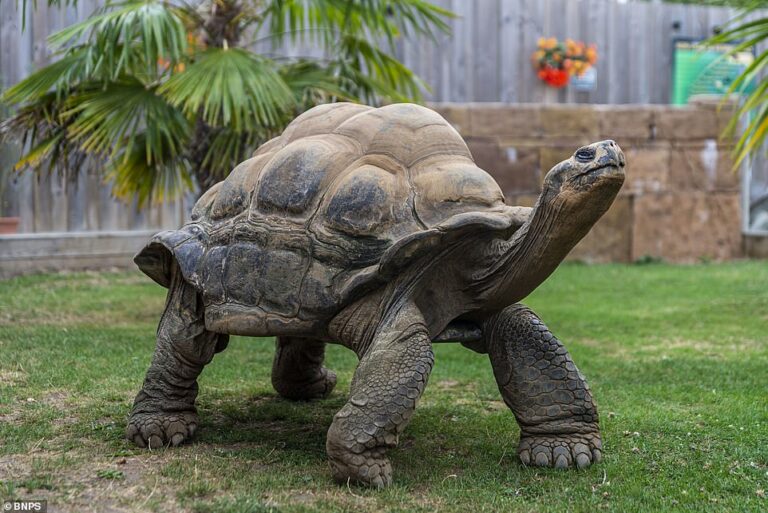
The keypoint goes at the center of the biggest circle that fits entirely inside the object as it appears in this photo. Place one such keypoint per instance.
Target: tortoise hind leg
(164, 410)
(297, 370)
(544, 389)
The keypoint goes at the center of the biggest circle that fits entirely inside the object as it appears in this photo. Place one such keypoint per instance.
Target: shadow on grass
(263, 419)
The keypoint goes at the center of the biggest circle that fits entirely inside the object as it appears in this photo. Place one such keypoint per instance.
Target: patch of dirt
(56, 398)
(65, 421)
(88, 483)
(12, 417)
(12, 377)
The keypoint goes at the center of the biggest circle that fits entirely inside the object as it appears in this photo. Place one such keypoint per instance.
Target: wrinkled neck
(536, 249)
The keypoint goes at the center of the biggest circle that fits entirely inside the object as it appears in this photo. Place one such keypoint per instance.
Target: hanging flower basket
(557, 62)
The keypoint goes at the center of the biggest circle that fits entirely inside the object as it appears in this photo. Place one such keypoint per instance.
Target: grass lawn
(677, 358)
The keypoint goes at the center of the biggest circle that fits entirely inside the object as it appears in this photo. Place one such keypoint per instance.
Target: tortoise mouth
(613, 171)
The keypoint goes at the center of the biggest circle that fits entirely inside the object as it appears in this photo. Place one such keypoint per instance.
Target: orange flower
(555, 62)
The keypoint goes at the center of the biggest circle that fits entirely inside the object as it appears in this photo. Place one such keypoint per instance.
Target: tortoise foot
(369, 468)
(569, 450)
(318, 388)
(157, 429)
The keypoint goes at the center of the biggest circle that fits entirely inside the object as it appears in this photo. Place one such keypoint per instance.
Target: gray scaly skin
(164, 410)
(542, 386)
(455, 279)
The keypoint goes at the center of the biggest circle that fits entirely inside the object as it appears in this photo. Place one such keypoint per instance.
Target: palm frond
(135, 91)
(129, 34)
(368, 72)
(744, 34)
(147, 177)
(313, 83)
(36, 156)
(41, 130)
(227, 148)
(231, 87)
(105, 120)
(76, 65)
(324, 20)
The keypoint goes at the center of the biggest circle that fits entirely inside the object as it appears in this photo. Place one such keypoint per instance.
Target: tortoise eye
(585, 154)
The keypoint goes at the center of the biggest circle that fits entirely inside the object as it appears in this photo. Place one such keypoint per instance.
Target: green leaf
(35, 156)
(312, 83)
(231, 87)
(228, 147)
(325, 20)
(131, 34)
(368, 72)
(127, 90)
(753, 107)
(106, 120)
(137, 174)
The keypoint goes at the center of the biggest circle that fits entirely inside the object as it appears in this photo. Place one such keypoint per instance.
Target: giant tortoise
(374, 229)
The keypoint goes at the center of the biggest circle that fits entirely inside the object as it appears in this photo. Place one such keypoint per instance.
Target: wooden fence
(486, 58)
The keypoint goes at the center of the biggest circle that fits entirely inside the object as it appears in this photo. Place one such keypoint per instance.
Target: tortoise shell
(339, 203)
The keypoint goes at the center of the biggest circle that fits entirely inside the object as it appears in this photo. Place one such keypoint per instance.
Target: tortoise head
(589, 180)
(577, 191)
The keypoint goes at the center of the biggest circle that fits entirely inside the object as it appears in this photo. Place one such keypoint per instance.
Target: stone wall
(680, 202)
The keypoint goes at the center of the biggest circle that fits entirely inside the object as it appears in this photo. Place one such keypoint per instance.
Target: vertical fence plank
(573, 30)
(462, 85)
(485, 72)
(509, 50)
(639, 49)
(443, 58)
(533, 22)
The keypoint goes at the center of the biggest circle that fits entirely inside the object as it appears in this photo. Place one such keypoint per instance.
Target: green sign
(700, 69)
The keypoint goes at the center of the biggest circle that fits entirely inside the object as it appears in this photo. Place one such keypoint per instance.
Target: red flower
(553, 76)
(558, 78)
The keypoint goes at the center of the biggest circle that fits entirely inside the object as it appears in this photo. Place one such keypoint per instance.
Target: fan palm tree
(167, 96)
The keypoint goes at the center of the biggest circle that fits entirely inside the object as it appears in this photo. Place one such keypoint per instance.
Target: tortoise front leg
(544, 389)
(297, 370)
(389, 380)
(164, 410)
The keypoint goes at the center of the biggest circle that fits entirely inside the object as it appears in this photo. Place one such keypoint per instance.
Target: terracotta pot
(9, 225)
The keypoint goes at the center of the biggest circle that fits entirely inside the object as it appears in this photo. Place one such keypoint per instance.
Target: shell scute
(234, 195)
(294, 178)
(362, 203)
(212, 274)
(447, 187)
(202, 208)
(405, 132)
(322, 119)
(279, 280)
(243, 261)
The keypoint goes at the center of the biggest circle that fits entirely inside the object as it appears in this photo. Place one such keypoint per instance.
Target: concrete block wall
(681, 199)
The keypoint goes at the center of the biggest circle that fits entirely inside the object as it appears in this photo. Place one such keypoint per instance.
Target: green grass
(677, 358)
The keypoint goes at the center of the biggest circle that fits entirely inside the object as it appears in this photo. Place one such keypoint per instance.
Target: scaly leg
(164, 410)
(390, 378)
(544, 389)
(297, 370)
